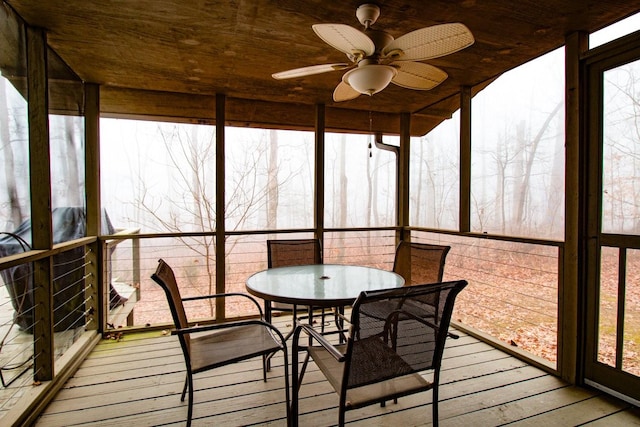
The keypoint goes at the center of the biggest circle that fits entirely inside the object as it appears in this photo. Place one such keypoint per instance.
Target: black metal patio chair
(292, 252)
(223, 343)
(386, 356)
(420, 262)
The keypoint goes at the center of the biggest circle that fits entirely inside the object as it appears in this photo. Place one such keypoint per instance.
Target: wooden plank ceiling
(185, 52)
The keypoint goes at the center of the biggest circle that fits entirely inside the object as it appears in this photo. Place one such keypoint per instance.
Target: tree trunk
(519, 195)
(342, 189)
(419, 197)
(72, 149)
(272, 181)
(502, 160)
(15, 210)
(555, 193)
(524, 189)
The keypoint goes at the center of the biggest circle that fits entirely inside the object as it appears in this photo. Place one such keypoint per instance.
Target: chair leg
(384, 402)
(434, 405)
(304, 368)
(265, 367)
(295, 383)
(267, 317)
(184, 389)
(190, 410)
(287, 392)
(339, 320)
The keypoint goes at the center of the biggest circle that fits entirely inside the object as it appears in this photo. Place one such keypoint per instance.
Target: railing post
(135, 255)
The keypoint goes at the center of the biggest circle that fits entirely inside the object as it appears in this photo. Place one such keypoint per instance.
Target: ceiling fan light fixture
(370, 79)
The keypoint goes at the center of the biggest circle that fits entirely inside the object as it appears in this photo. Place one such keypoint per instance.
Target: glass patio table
(318, 285)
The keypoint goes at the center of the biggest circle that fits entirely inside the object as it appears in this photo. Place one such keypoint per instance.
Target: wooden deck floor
(137, 382)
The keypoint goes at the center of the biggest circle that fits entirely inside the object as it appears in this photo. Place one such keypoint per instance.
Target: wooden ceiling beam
(186, 108)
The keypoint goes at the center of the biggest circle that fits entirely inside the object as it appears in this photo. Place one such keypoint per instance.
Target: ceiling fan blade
(344, 92)
(430, 42)
(345, 38)
(308, 71)
(416, 75)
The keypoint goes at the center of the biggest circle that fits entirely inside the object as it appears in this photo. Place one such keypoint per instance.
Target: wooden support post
(402, 193)
(318, 214)
(465, 159)
(220, 202)
(569, 359)
(41, 227)
(92, 157)
(97, 294)
(135, 261)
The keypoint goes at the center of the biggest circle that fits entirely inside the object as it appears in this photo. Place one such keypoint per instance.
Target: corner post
(41, 226)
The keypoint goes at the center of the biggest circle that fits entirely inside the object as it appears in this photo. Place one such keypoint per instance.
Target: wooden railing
(511, 300)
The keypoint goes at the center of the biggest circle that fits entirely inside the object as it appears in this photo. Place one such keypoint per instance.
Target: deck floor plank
(137, 380)
(576, 413)
(627, 417)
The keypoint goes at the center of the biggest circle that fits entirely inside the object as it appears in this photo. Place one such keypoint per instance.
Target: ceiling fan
(377, 59)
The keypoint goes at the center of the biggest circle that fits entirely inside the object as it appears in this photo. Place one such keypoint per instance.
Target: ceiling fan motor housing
(380, 39)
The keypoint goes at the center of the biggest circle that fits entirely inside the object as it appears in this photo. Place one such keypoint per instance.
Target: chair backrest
(284, 253)
(393, 333)
(420, 262)
(167, 280)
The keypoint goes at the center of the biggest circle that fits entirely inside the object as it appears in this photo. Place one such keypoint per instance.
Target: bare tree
(530, 150)
(252, 186)
(513, 163)
(191, 160)
(621, 203)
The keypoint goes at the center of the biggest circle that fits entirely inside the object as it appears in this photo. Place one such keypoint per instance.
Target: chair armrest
(342, 316)
(215, 326)
(223, 295)
(394, 316)
(333, 351)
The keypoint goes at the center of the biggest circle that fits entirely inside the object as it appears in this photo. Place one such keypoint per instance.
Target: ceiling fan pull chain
(370, 129)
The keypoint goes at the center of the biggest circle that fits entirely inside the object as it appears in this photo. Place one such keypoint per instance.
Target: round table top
(320, 285)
